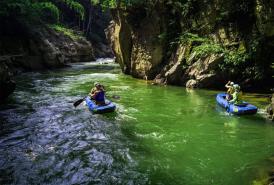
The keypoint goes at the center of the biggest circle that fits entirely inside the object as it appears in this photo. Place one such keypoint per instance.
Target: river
(158, 135)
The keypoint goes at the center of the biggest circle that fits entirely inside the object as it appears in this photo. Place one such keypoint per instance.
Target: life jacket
(238, 97)
(230, 90)
(99, 96)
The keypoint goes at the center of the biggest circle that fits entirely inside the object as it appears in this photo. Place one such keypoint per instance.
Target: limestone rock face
(173, 72)
(36, 48)
(147, 51)
(43, 47)
(59, 49)
(201, 73)
(148, 42)
(119, 35)
(205, 71)
(137, 48)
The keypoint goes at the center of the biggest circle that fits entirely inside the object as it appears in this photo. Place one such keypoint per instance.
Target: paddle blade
(78, 102)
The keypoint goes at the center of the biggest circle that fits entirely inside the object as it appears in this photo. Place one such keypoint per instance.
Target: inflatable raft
(240, 109)
(99, 109)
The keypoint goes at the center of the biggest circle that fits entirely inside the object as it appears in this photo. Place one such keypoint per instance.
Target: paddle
(227, 107)
(78, 102)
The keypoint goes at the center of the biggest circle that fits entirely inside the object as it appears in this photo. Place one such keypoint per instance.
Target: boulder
(173, 72)
(205, 72)
(191, 84)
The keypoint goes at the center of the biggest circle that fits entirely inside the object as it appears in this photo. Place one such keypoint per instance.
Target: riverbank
(36, 36)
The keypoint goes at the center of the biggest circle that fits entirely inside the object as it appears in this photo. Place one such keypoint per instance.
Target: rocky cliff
(96, 34)
(28, 47)
(197, 43)
(42, 46)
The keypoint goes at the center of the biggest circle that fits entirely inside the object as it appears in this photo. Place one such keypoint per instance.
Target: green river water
(158, 135)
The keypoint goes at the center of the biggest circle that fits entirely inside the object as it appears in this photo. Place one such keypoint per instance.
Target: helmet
(96, 84)
(231, 83)
(236, 87)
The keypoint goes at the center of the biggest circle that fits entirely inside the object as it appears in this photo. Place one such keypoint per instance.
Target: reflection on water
(158, 135)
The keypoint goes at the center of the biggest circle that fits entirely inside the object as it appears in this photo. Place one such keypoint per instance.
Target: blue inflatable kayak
(108, 107)
(244, 108)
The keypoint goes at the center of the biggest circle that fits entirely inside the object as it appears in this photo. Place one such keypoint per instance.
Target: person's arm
(94, 94)
(92, 90)
(227, 85)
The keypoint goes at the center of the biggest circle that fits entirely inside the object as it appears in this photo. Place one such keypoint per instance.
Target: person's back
(97, 94)
(99, 97)
(237, 95)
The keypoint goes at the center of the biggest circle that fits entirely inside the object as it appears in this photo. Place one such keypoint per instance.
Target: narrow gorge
(137, 92)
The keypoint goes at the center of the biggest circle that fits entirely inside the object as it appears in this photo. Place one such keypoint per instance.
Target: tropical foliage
(35, 10)
(66, 31)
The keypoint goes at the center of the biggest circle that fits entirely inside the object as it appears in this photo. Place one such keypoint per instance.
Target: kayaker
(98, 94)
(237, 95)
(94, 88)
(230, 90)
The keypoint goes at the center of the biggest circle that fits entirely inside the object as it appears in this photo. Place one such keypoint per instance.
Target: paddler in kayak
(230, 90)
(97, 94)
(237, 95)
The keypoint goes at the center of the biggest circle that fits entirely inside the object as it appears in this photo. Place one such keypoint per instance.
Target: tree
(40, 10)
